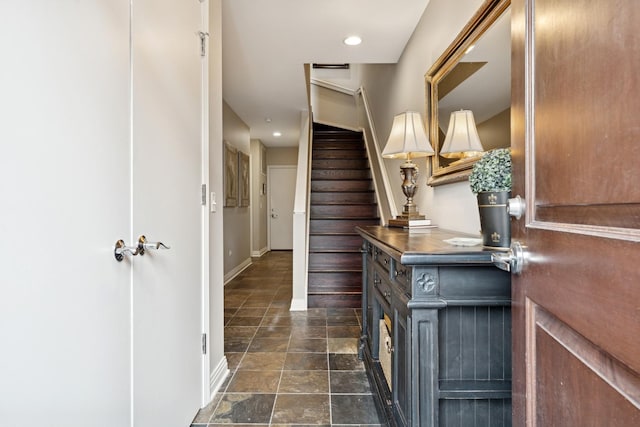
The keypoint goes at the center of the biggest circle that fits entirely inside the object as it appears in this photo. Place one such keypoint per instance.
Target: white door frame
(206, 361)
(269, 168)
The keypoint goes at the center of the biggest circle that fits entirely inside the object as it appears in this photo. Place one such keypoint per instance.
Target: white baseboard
(239, 269)
(298, 305)
(217, 376)
(258, 254)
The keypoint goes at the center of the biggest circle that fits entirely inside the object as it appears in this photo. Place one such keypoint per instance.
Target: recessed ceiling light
(352, 41)
(276, 134)
(267, 119)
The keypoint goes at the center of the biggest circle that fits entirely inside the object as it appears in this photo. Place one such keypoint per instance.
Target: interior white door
(281, 201)
(64, 186)
(167, 125)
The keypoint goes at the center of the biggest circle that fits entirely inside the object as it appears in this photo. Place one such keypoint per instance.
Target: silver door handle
(144, 245)
(121, 249)
(273, 215)
(512, 261)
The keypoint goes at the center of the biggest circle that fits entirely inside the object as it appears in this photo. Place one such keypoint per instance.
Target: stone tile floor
(287, 368)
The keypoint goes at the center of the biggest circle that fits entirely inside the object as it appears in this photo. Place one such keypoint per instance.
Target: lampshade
(407, 138)
(462, 138)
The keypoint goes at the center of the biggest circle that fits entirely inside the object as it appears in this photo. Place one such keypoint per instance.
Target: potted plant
(490, 180)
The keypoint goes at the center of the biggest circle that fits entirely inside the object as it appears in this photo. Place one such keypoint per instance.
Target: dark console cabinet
(446, 310)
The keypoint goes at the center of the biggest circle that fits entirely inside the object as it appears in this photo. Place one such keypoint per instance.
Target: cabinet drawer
(382, 287)
(402, 276)
(382, 259)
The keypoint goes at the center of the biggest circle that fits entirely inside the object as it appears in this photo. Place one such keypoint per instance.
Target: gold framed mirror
(473, 73)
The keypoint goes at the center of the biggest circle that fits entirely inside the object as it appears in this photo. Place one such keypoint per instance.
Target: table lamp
(407, 140)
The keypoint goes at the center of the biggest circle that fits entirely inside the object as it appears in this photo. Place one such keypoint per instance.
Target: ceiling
(265, 44)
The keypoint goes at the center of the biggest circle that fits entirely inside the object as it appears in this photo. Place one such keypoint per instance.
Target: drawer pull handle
(389, 346)
(386, 261)
(400, 273)
(377, 281)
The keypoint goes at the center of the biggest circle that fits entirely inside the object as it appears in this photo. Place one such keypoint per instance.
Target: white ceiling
(267, 42)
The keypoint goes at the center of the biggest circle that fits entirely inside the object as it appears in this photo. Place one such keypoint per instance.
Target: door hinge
(203, 195)
(203, 42)
(204, 343)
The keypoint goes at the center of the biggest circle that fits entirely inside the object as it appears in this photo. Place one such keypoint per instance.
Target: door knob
(144, 245)
(516, 207)
(512, 261)
(274, 215)
(121, 249)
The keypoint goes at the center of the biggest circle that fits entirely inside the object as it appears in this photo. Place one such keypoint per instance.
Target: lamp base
(406, 221)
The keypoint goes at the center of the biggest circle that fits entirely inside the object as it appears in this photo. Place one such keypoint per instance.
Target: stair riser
(334, 301)
(349, 185)
(338, 144)
(337, 197)
(331, 261)
(331, 174)
(339, 163)
(330, 282)
(334, 242)
(344, 211)
(339, 154)
(339, 226)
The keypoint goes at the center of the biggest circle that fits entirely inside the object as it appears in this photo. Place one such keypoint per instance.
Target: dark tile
(353, 409)
(272, 345)
(306, 362)
(310, 321)
(273, 332)
(254, 382)
(236, 345)
(333, 312)
(301, 409)
(351, 320)
(245, 321)
(251, 312)
(240, 331)
(304, 382)
(239, 408)
(349, 382)
(345, 362)
(266, 361)
(343, 345)
(233, 360)
(343, 331)
(298, 331)
(310, 345)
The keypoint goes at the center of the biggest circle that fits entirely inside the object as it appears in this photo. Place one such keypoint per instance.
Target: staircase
(342, 197)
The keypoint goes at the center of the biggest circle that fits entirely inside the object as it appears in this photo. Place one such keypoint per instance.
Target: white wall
(258, 199)
(401, 87)
(217, 360)
(237, 220)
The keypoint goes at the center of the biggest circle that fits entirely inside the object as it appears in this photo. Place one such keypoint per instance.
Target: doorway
(281, 190)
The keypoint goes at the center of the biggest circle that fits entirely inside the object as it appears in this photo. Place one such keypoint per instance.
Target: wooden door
(166, 186)
(576, 142)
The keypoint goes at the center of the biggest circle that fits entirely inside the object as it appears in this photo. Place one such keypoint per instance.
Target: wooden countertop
(425, 246)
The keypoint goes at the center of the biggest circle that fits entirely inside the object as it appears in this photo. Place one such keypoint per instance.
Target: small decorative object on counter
(490, 180)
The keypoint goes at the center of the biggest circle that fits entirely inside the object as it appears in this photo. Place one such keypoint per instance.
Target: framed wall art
(243, 179)
(230, 175)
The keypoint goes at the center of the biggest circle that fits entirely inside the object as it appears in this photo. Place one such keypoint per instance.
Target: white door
(87, 339)
(282, 187)
(64, 201)
(167, 357)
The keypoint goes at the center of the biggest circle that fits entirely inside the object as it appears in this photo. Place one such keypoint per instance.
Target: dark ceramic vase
(494, 219)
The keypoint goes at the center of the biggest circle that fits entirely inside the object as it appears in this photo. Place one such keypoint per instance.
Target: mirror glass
(473, 74)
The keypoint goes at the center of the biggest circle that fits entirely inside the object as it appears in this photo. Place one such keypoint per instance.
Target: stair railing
(384, 194)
